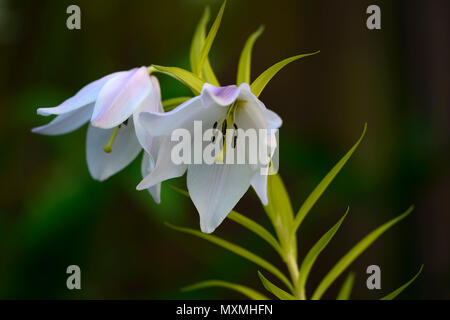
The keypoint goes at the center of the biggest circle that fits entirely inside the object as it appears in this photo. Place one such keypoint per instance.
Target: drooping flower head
(214, 188)
(111, 105)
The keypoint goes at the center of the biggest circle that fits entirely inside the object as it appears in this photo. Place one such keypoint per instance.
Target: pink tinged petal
(120, 97)
(183, 116)
(151, 103)
(259, 184)
(66, 122)
(85, 96)
(156, 93)
(271, 119)
(164, 169)
(125, 148)
(147, 167)
(215, 189)
(222, 96)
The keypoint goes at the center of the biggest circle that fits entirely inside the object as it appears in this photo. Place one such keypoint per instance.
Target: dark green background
(395, 79)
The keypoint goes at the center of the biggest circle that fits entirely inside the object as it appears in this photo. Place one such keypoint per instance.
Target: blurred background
(52, 214)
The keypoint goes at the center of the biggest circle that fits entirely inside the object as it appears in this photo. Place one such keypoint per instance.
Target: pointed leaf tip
(396, 292)
(198, 40)
(244, 67)
(210, 39)
(323, 185)
(197, 44)
(315, 251)
(259, 84)
(354, 253)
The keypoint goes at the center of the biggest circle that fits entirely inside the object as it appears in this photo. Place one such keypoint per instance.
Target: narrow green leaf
(256, 228)
(247, 223)
(197, 43)
(186, 77)
(277, 292)
(237, 250)
(258, 85)
(172, 103)
(323, 185)
(354, 253)
(198, 40)
(244, 66)
(395, 293)
(209, 40)
(314, 252)
(347, 286)
(246, 291)
(208, 74)
(279, 211)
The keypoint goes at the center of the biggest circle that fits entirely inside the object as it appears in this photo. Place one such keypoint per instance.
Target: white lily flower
(114, 137)
(214, 188)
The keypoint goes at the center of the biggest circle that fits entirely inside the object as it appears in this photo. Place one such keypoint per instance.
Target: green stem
(288, 243)
(291, 263)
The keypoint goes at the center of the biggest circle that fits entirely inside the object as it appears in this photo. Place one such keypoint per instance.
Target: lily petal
(164, 169)
(183, 116)
(273, 120)
(259, 184)
(222, 96)
(251, 106)
(215, 189)
(147, 167)
(88, 94)
(126, 147)
(119, 97)
(151, 103)
(67, 122)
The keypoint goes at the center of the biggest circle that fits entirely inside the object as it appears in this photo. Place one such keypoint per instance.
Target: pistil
(108, 147)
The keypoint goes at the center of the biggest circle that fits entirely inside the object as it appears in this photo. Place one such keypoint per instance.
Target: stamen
(108, 147)
(224, 127)
(215, 125)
